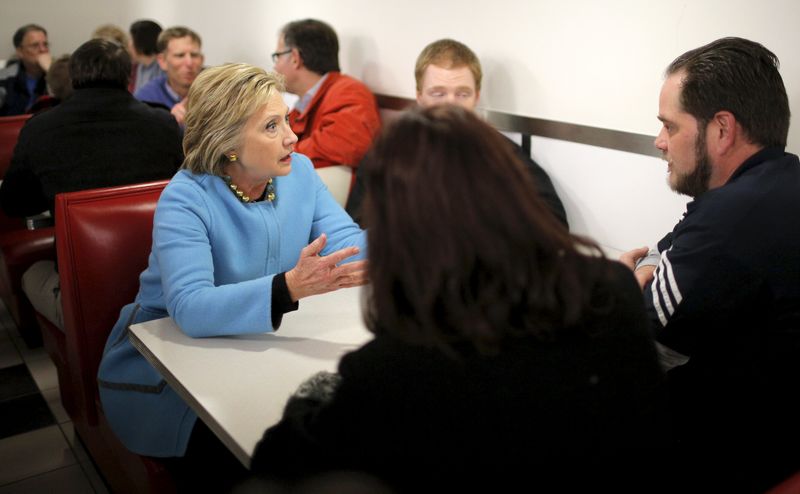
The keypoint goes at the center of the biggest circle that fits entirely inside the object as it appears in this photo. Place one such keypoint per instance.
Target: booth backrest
(790, 485)
(9, 132)
(103, 240)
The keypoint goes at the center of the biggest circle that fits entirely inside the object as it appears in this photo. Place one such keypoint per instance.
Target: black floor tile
(22, 406)
(16, 381)
(24, 414)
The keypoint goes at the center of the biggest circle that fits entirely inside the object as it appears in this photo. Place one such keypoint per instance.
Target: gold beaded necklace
(269, 191)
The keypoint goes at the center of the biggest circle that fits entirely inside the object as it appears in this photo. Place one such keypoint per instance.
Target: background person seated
(59, 85)
(100, 137)
(231, 255)
(112, 33)
(502, 354)
(144, 51)
(336, 117)
(448, 72)
(22, 83)
(181, 58)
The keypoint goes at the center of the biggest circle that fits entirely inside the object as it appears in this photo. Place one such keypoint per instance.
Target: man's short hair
(448, 54)
(739, 76)
(58, 79)
(111, 32)
(175, 32)
(100, 63)
(21, 32)
(144, 34)
(316, 42)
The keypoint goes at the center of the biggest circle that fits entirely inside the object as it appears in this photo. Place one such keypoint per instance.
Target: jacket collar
(297, 119)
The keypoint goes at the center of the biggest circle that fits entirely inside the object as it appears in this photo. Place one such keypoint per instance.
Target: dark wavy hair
(317, 43)
(100, 63)
(739, 76)
(460, 249)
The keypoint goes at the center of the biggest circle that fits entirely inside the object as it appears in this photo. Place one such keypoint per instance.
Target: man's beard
(695, 183)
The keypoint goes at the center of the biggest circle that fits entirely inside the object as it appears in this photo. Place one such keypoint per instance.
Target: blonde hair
(112, 33)
(448, 54)
(220, 101)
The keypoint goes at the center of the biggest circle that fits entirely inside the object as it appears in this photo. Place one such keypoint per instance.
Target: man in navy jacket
(23, 82)
(723, 288)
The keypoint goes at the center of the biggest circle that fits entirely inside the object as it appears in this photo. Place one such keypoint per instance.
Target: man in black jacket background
(100, 137)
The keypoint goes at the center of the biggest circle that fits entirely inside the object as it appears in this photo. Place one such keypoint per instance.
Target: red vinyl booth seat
(790, 485)
(103, 240)
(9, 132)
(19, 247)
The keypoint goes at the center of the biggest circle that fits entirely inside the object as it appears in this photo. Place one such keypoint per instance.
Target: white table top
(239, 385)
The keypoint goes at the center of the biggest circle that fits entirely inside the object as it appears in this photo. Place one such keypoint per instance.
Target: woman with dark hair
(505, 348)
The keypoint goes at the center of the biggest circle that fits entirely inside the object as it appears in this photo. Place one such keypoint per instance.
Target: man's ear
(296, 59)
(162, 61)
(723, 131)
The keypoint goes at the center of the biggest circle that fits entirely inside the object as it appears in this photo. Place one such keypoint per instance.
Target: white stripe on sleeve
(654, 288)
(673, 285)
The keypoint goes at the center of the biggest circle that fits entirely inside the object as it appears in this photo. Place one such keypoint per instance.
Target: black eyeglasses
(279, 53)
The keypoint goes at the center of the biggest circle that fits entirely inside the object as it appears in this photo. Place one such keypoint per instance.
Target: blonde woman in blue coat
(242, 233)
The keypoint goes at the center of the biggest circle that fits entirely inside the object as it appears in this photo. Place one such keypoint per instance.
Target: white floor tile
(53, 398)
(30, 354)
(72, 438)
(67, 480)
(43, 372)
(5, 319)
(94, 478)
(8, 353)
(33, 453)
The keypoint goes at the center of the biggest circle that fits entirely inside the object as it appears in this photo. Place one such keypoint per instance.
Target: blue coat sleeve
(330, 218)
(182, 247)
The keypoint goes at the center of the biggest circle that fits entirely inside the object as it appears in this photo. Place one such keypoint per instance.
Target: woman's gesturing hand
(315, 274)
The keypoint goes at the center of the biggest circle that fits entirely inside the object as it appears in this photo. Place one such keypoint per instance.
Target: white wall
(581, 61)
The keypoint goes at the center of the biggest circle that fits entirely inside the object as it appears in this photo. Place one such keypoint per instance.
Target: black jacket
(726, 294)
(544, 186)
(100, 137)
(579, 412)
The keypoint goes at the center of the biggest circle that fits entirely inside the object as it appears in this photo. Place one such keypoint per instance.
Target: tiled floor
(39, 451)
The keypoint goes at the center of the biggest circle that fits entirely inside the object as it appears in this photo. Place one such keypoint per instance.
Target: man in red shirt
(336, 117)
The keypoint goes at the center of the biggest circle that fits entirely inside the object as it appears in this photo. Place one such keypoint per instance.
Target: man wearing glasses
(336, 117)
(22, 83)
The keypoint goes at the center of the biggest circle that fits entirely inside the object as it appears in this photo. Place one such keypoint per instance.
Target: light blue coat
(211, 268)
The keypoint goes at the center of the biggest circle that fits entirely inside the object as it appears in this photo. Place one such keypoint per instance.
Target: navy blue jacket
(14, 95)
(99, 137)
(726, 294)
